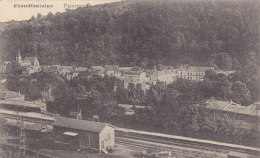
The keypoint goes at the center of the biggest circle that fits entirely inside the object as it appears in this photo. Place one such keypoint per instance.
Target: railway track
(181, 144)
(26, 118)
(180, 152)
(143, 147)
(170, 142)
(203, 146)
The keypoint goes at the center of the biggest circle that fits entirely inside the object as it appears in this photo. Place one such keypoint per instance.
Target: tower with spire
(19, 57)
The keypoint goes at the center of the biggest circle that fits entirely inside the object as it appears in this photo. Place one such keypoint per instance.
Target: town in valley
(130, 79)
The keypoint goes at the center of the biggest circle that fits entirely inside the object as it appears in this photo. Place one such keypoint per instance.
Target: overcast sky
(9, 12)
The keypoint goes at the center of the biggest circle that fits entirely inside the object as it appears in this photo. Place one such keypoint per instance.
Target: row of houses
(146, 78)
(129, 75)
(137, 76)
(68, 71)
(134, 75)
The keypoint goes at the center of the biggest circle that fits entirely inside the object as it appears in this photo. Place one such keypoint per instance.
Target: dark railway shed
(84, 134)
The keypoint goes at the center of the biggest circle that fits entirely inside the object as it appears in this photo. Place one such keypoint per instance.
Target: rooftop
(23, 103)
(80, 124)
(200, 68)
(167, 72)
(224, 72)
(9, 95)
(4, 112)
(125, 68)
(81, 69)
(112, 67)
(253, 109)
(31, 59)
(133, 72)
(27, 125)
(97, 67)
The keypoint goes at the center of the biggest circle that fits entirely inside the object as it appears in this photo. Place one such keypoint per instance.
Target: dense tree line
(24, 85)
(180, 108)
(88, 93)
(235, 87)
(177, 108)
(216, 33)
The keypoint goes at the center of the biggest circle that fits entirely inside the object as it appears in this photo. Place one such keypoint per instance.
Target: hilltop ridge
(144, 33)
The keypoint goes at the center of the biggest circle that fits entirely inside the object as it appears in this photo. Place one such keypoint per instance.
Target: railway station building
(84, 134)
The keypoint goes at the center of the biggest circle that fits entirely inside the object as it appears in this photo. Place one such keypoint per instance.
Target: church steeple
(19, 57)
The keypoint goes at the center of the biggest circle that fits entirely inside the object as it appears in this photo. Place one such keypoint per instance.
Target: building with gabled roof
(193, 73)
(246, 116)
(84, 134)
(29, 64)
(30, 61)
(251, 110)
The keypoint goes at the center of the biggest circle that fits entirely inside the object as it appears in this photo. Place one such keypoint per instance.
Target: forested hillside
(141, 32)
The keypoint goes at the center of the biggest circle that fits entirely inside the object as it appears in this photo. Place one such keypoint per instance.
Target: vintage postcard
(129, 78)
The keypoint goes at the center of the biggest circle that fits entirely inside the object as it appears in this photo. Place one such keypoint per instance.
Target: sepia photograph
(129, 78)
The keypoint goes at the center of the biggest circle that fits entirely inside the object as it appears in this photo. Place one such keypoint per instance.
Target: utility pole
(22, 136)
(22, 139)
